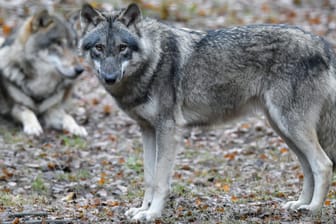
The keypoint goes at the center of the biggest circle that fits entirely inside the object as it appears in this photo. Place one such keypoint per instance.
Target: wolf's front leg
(149, 147)
(28, 119)
(164, 162)
(58, 119)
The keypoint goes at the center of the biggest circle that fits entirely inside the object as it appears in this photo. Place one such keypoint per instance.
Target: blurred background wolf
(38, 68)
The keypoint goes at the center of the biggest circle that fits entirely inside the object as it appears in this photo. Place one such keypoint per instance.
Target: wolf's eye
(99, 47)
(122, 47)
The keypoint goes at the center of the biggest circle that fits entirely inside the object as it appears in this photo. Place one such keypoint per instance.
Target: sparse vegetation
(38, 185)
(74, 142)
(240, 173)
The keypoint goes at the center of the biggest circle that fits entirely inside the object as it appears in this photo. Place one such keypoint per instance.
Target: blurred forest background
(241, 173)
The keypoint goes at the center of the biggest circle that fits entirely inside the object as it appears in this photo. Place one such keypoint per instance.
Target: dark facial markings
(110, 44)
(90, 41)
(110, 39)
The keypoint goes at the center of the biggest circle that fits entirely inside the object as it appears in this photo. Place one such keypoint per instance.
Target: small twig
(23, 214)
(47, 221)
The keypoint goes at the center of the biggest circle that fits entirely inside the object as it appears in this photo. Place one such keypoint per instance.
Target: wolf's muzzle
(109, 78)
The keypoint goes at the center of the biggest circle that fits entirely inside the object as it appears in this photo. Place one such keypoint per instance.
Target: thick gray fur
(167, 77)
(37, 72)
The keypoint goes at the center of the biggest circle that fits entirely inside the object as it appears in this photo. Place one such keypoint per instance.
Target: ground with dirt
(239, 173)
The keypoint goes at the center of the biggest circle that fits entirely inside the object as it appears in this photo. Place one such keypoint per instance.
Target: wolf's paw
(70, 125)
(133, 211)
(311, 208)
(146, 216)
(293, 205)
(33, 129)
(77, 130)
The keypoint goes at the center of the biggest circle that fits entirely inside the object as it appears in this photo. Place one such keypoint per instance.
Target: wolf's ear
(41, 19)
(90, 16)
(131, 15)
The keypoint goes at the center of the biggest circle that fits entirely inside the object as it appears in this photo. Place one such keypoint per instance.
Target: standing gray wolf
(37, 72)
(165, 77)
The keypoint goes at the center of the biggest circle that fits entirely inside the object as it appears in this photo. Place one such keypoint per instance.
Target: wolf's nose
(79, 69)
(110, 78)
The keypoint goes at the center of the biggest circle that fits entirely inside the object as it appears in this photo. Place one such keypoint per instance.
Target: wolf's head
(48, 44)
(114, 43)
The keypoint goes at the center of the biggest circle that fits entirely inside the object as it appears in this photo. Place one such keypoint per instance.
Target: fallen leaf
(105, 162)
(198, 202)
(186, 167)
(69, 197)
(263, 156)
(96, 202)
(327, 202)
(7, 174)
(16, 221)
(284, 150)
(291, 14)
(107, 109)
(231, 156)
(6, 30)
(280, 195)
(112, 138)
(95, 101)
(121, 160)
(234, 199)
(245, 126)
(109, 213)
(177, 175)
(113, 203)
(226, 187)
(51, 166)
(300, 176)
(314, 21)
(220, 209)
(102, 179)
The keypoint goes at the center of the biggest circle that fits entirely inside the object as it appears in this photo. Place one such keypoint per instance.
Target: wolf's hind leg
(308, 181)
(320, 168)
(300, 135)
(31, 125)
(149, 147)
